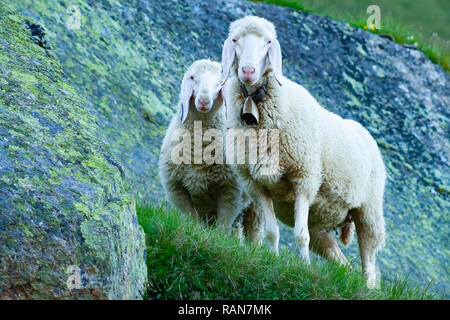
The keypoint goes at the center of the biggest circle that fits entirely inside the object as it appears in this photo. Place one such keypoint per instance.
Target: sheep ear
(275, 60)
(220, 100)
(228, 54)
(185, 96)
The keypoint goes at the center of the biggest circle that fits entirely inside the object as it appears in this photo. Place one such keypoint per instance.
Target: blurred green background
(415, 22)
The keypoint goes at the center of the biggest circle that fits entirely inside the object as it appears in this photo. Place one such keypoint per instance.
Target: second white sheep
(198, 187)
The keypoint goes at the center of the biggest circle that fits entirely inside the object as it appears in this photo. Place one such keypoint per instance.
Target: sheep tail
(347, 233)
(347, 229)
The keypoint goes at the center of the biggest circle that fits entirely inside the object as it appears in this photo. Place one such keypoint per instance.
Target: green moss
(57, 176)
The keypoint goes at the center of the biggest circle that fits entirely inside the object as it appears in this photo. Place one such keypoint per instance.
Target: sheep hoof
(372, 281)
(274, 249)
(304, 254)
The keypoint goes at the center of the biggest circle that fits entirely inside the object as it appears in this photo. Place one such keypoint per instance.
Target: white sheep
(209, 191)
(330, 171)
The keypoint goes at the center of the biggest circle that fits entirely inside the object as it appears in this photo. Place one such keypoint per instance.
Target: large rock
(128, 58)
(63, 204)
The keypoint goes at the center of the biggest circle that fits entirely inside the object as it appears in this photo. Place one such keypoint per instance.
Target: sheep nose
(203, 102)
(248, 70)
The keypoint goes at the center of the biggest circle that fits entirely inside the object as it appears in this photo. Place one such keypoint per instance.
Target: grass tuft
(187, 260)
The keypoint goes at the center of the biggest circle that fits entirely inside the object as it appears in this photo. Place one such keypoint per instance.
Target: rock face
(65, 216)
(127, 60)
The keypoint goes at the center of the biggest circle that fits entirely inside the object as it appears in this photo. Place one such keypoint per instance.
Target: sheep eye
(234, 40)
(269, 42)
(192, 77)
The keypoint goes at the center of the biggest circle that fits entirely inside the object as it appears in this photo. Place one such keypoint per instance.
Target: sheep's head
(200, 87)
(250, 50)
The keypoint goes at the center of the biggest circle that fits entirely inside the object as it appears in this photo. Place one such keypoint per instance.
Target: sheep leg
(369, 225)
(226, 212)
(179, 196)
(323, 243)
(272, 229)
(253, 225)
(225, 218)
(237, 227)
(264, 206)
(301, 233)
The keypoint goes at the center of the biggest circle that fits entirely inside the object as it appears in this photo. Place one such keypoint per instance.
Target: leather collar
(259, 94)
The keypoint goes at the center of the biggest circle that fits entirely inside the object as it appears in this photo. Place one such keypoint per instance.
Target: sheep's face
(200, 87)
(251, 56)
(250, 50)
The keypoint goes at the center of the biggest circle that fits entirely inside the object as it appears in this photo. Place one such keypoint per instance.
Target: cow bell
(250, 114)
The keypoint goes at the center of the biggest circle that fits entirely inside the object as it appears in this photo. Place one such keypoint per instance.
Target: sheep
(330, 172)
(204, 191)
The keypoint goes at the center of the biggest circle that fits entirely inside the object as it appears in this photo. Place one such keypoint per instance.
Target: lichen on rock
(62, 199)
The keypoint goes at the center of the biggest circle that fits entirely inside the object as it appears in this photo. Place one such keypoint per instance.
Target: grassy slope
(424, 23)
(188, 261)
